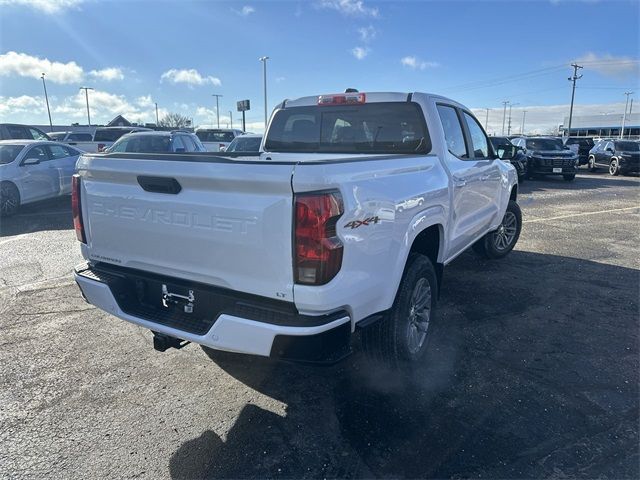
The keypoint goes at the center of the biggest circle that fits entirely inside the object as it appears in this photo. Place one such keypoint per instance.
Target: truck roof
(371, 97)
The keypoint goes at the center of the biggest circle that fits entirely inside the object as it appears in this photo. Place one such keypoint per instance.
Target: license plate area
(557, 170)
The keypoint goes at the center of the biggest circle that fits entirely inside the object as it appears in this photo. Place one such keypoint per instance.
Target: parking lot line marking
(614, 210)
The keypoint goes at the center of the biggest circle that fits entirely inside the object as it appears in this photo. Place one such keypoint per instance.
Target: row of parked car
(557, 156)
(36, 166)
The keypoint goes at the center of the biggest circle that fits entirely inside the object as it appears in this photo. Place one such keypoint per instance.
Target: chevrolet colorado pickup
(344, 220)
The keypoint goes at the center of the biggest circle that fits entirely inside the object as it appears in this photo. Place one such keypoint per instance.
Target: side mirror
(223, 149)
(506, 152)
(31, 161)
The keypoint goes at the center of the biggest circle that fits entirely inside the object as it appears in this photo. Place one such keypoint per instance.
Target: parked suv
(105, 136)
(581, 146)
(157, 142)
(217, 139)
(619, 156)
(14, 131)
(519, 161)
(548, 156)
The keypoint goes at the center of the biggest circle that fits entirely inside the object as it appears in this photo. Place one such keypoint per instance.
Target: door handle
(459, 182)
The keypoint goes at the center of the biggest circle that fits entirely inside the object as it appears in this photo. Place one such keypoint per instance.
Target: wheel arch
(430, 242)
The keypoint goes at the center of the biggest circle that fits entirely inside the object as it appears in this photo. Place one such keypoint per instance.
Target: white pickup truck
(345, 220)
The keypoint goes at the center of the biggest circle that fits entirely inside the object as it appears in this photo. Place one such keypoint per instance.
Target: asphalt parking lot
(533, 369)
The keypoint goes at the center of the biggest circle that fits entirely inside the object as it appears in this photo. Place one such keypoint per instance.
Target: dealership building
(603, 125)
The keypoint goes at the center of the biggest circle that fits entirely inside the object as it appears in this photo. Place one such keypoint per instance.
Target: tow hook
(162, 342)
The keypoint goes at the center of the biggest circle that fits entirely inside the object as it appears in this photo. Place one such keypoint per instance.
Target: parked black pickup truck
(548, 156)
(585, 144)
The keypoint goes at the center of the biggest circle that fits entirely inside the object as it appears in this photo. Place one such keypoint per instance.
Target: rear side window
(59, 137)
(58, 151)
(16, 131)
(8, 153)
(479, 140)
(453, 131)
(108, 134)
(385, 128)
(215, 136)
(80, 137)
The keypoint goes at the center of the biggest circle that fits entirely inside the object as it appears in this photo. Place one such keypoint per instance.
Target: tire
(614, 167)
(569, 178)
(400, 338)
(592, 164)
(9, 199)
(500, 242)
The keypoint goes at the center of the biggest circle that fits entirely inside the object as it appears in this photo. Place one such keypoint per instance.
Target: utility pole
(217, 109)
(509, 127)
(624, 117)
(157, 120)
(46, 97)
(504, 114)
(630, 108)
(264, 79)
(486, 120)
(86, 94)
(231, 118)
(573, 92)
(524, 113)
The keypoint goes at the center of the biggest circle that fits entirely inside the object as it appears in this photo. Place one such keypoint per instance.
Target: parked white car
(346, 220)
(32, 170)
(157, 142)
(217, 139)
(80, 140)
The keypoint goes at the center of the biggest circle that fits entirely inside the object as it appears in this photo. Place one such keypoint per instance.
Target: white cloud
(280, 79)
(145, 101)
(417, 64)
(108, 74)
(190, 77)
(244, 11)
(367, 33)
(610, 65)
(21, 104)
(46, 6)
(359, 52)
(13, 63)
(350, 7)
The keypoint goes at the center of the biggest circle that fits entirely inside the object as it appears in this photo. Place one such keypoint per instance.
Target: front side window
(453, 131)
(58, 137)
(189, 144)
(385, 128)
(58, 151)
(178, 145)
(37, 134)
(479, 142)
(40, 152)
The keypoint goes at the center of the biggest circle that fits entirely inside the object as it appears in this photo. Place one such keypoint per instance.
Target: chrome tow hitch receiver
(175, 299)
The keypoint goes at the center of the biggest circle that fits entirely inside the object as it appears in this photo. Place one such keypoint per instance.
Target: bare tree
(174, 120)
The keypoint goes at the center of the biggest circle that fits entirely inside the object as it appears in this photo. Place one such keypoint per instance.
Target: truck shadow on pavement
(52, 214)
(531, 372)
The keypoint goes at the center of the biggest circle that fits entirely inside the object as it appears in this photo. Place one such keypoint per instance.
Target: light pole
(573, 93)
(524, 113)
(264, 78)
(504, 114)
(486, 120)
(157, 120)
(624, 117)
(217, 108)
(46, 97)
(231, 118)
(86, 94)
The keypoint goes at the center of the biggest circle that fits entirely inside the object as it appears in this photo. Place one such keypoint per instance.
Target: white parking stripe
(614, 210)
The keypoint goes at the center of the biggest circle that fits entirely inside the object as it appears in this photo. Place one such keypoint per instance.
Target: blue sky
(135, 53)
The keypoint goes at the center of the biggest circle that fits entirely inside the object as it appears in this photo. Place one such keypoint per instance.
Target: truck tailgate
(229, 225)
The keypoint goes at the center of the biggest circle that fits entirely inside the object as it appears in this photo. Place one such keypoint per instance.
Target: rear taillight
(318, 250)
(76, 208)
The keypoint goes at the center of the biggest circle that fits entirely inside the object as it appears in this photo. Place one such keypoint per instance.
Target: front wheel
(501, 241)
(400, 338)
(9, 199)
(569, 178)
(592, 164)
(614, 167)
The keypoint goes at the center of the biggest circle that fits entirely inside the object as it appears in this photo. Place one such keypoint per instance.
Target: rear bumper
(265, 333)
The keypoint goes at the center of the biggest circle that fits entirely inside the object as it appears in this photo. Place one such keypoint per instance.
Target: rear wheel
(9, 199)
(569, 178)
(614, 167)
(501, 241)
(400, 338)
(592, 164)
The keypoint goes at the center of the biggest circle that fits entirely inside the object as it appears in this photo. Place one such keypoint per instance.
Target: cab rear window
(386, 128)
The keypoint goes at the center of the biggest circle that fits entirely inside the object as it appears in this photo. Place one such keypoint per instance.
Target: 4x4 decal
(357, 223)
